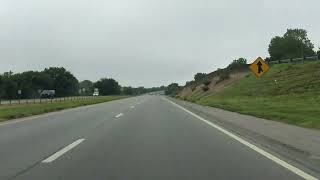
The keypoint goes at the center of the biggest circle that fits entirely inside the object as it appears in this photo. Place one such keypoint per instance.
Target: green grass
(23, 110)
(293, 98)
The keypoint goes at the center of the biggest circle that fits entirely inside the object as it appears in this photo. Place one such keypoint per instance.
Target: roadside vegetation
(8, 112)
(63, 82)
(288, 93)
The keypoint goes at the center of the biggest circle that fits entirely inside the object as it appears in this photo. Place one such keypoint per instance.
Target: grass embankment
(288, 93)
(23, 110)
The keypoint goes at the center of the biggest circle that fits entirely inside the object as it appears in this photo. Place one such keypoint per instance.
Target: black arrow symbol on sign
(260, 70)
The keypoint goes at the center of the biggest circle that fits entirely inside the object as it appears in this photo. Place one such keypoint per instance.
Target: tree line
(293, 44)
(109, 86)
(31, 83)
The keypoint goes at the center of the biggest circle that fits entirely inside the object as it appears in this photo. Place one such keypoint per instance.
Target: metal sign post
(39, 92)
(19, 94)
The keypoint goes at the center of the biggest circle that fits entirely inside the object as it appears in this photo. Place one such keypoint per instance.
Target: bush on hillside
(205, 88)
(199, 76)
(207, 82)
(223, 76)
(172, 89)
(188, 83)
(237, 64)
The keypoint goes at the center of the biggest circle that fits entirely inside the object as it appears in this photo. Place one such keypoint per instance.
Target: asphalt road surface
(146, 137)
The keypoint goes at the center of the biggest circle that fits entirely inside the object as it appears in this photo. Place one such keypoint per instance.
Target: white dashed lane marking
(119, 115)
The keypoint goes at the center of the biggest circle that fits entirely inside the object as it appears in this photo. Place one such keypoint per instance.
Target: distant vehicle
(47, 94)
(95, 94)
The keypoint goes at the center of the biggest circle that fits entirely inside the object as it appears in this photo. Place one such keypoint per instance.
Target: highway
(145, 137)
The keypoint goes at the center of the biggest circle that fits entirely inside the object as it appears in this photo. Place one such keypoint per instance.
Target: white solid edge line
(62, 151)
(119, 115)
(14, 121)
(284, 164)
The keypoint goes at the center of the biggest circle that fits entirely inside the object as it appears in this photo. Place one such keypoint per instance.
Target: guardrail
(295, 60)
(44, 100)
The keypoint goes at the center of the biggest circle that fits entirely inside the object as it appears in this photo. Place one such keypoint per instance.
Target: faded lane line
(62, 151)
(273, 158)
(131, 107)
(119, 115)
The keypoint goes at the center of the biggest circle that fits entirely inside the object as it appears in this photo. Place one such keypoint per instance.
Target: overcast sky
(145, 42)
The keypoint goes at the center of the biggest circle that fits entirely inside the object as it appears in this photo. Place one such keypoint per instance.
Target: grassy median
(288, 93)
(23, 110)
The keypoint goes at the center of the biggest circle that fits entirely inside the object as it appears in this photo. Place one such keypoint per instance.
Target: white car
(95, 94)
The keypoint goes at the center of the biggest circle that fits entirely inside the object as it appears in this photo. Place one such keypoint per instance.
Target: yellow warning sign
(259, 67)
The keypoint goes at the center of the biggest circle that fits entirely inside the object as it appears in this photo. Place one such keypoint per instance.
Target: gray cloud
(144, 42)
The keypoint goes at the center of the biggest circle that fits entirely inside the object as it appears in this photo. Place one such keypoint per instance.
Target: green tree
(41, 80)
(172, 89)
(107, 86)
(141, 90)
(199, 76)
(2, 92)
(188, 83)
(30, 81)
(127, 90)
(64, 83)
(9, 87)
(86, 86)
(237, 64)
(11, 83)
(294, 43)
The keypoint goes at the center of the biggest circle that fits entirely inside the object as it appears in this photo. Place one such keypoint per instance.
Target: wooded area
(31, 83)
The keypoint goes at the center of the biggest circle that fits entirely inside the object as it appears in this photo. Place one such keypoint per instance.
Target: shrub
(199, 76)
(189, 83)
(207, 82)
(205, 88)
(223, 76)
(237, 64)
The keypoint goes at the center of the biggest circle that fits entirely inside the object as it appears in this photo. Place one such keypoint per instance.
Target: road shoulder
(299, 145)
